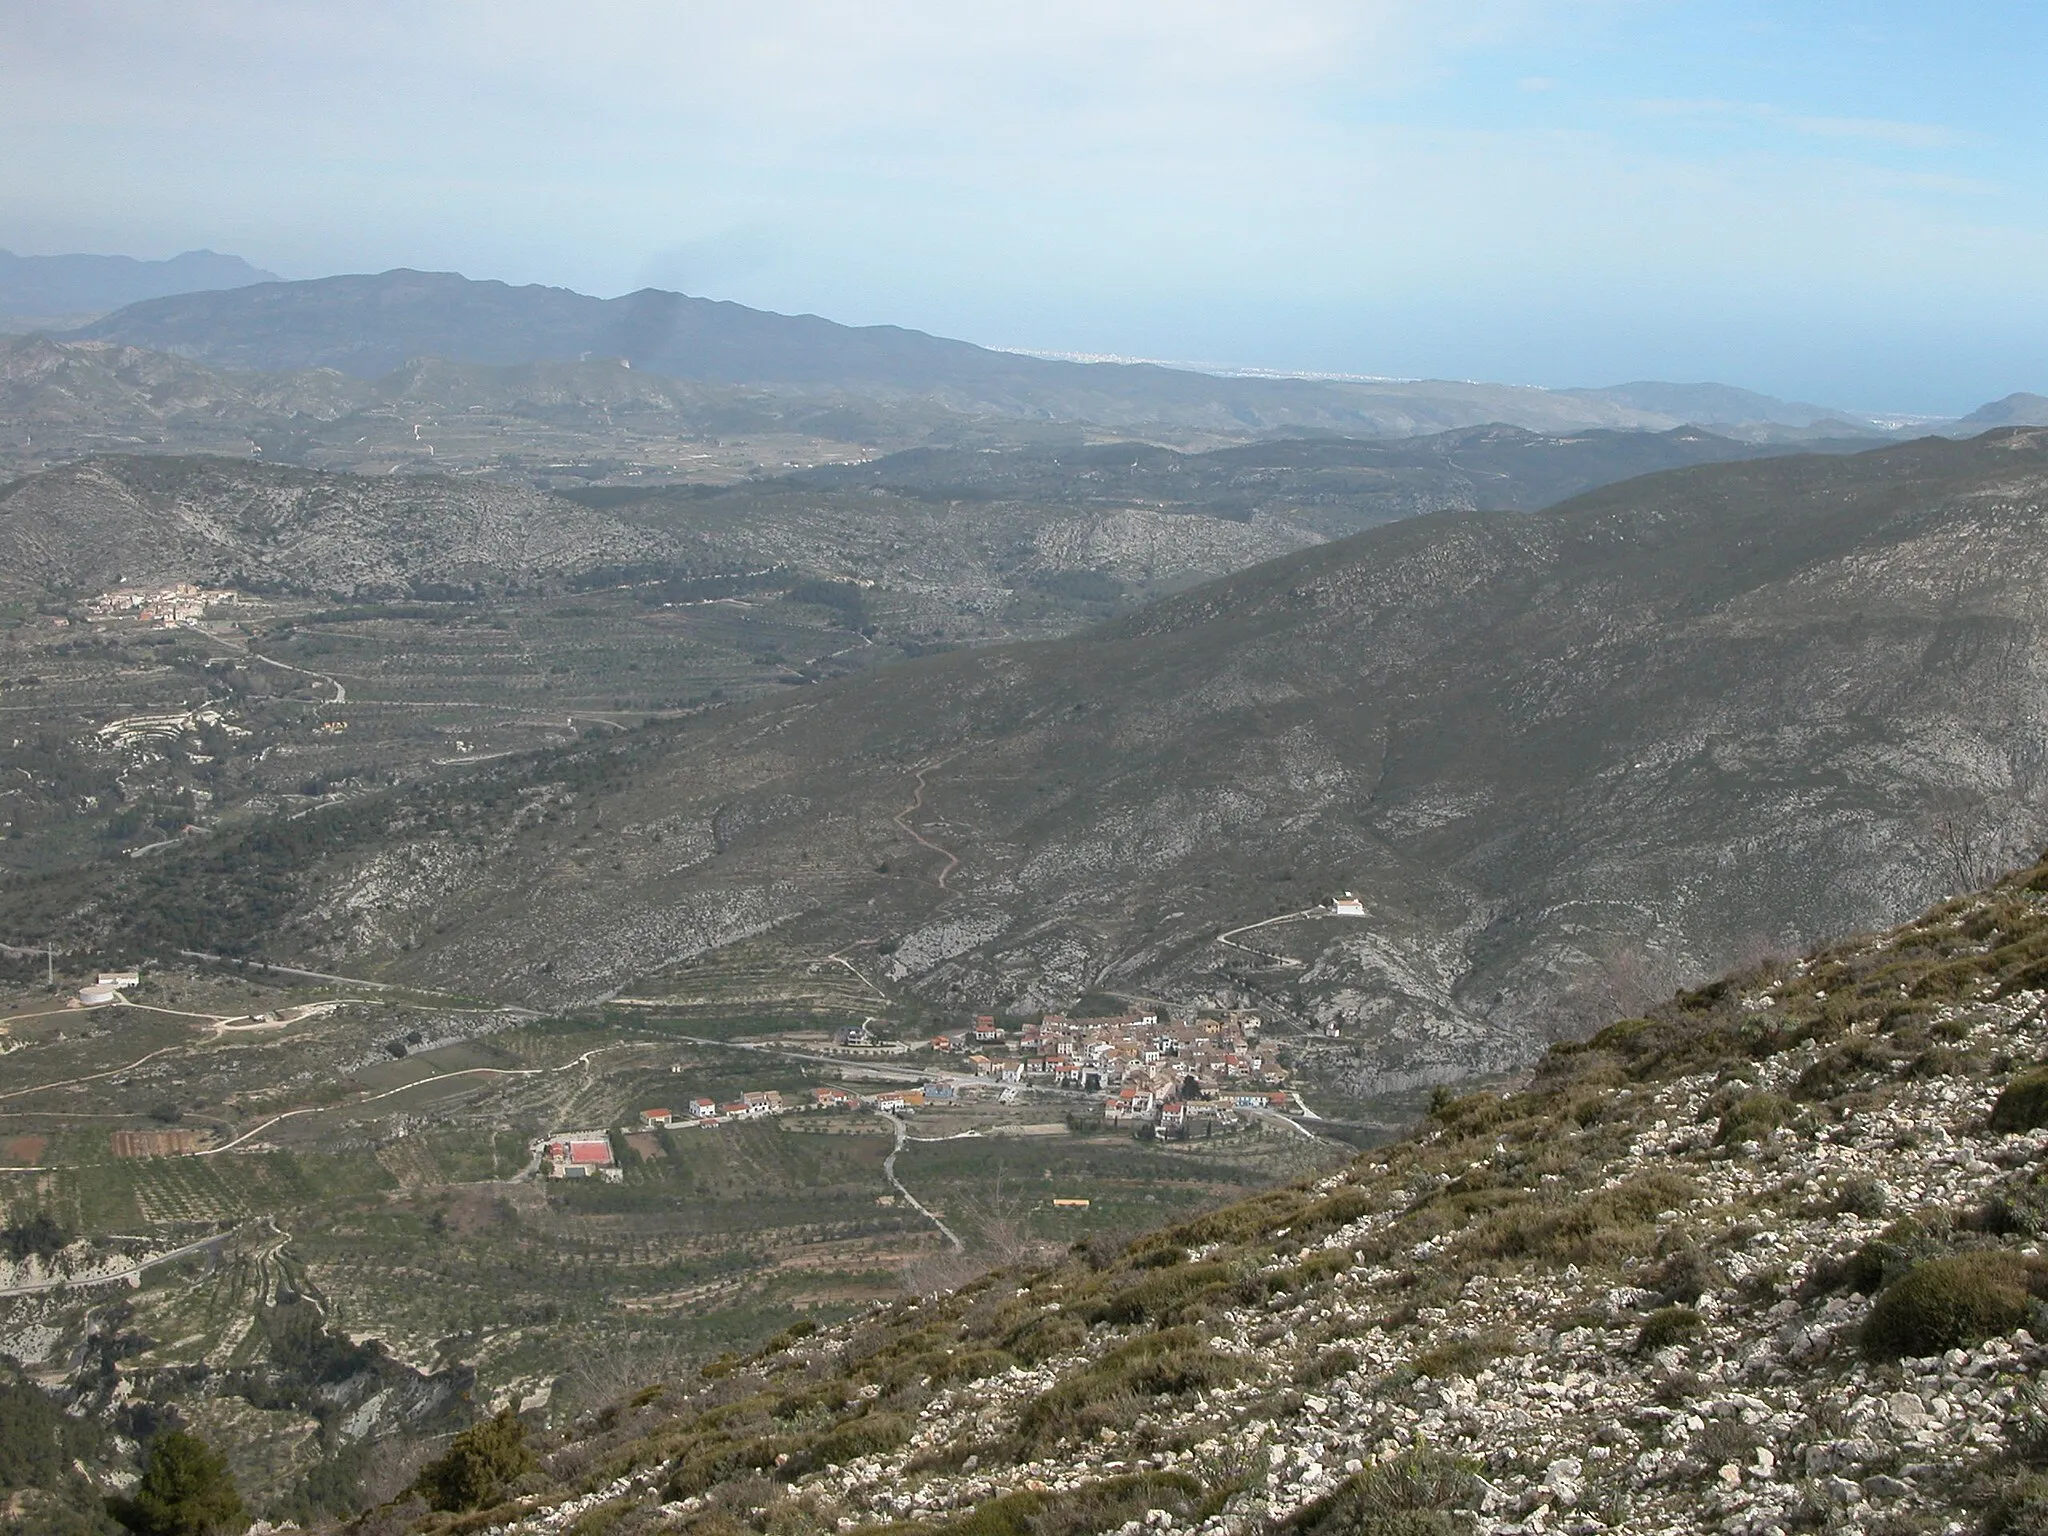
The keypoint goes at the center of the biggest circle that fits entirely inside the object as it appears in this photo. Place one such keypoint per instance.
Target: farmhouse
(579, 1155)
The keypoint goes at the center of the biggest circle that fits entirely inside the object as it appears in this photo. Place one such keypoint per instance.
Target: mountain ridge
(368, 324)
(1717, 709)
(48, 289)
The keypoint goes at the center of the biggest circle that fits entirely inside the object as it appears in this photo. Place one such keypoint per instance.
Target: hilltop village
(1138, 1070)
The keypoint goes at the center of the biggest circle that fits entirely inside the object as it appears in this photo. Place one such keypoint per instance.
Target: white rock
(1906, 1410)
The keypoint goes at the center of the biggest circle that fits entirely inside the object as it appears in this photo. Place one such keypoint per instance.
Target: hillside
(2015, 410)
(1763, 1258)
(1766, 1257)
(102, 522)
(50, 290)
(1338, 484)
(1691, 716)
(535, 424)
(368, 325)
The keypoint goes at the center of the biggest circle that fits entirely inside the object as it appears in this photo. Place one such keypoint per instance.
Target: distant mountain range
(369, 325)
(53, 290)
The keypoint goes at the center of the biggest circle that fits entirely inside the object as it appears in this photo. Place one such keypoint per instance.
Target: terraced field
(368, 1172)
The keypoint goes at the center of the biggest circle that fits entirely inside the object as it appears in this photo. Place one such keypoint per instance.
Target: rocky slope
(1767, 1259)
(1696, 715)
(1699, 714)
(98, 523)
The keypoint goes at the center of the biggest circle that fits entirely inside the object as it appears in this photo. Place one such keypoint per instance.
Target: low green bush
(1665, 1327)
(724, 1461)
(1954, 1302)
(186, 1490)
(1863, 1196)
(1752, 1118)
(1327, 1366)
(1093, 1507)
(2019, 1508)
(1890, 1254)
(1598, 1228)
(2023, 1103)
(1459, 1357)
(1043, 1338)
(972, 1365)
(1172, 1362)
(1415, 1494)
(871, 1434)
(1686, 1275)
(1161, 1293)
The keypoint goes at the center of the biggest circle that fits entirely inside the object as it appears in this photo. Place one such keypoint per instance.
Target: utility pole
(50, 955)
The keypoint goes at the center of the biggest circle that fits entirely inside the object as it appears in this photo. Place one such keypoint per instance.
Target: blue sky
(1841, 202)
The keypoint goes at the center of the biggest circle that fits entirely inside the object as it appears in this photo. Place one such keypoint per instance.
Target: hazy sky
(1844, 200)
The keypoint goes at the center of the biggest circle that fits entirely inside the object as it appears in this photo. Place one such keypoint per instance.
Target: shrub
(1751, 1118)
(1160, 1293)
(1665, 1327)
(479, 1467)
(871, 1434)
(1101, 1506)
(972, 1365)
(2019, 1209)
(1043, 1338)
(1170, 1363)
(1686, 1276)
(1954, 1302)
(2020, 1508)
(1458, 1357)
(186, 1490)
(2023, 1103)
(1862, 1196)
(1726, 1440)
(1327, 1366)
(1597, 1228)
(38, 1234)
(1839, 1067)
(1888, 1255)
(1165, 1256)
(1324, 1264)
(1412, 1495)
(1338, 1209)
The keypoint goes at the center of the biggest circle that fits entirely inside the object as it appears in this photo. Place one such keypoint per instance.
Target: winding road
(902, 819)
(1225, 937)
(114, 1277)
(340, 692)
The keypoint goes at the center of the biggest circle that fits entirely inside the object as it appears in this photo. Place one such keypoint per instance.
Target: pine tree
(482, 1463)
(186, 1490)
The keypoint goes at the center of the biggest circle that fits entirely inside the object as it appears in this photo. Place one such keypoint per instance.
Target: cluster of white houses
(1147, 1066)
(179, 603)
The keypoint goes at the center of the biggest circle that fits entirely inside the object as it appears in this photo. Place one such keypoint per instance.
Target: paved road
(116, 1277)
